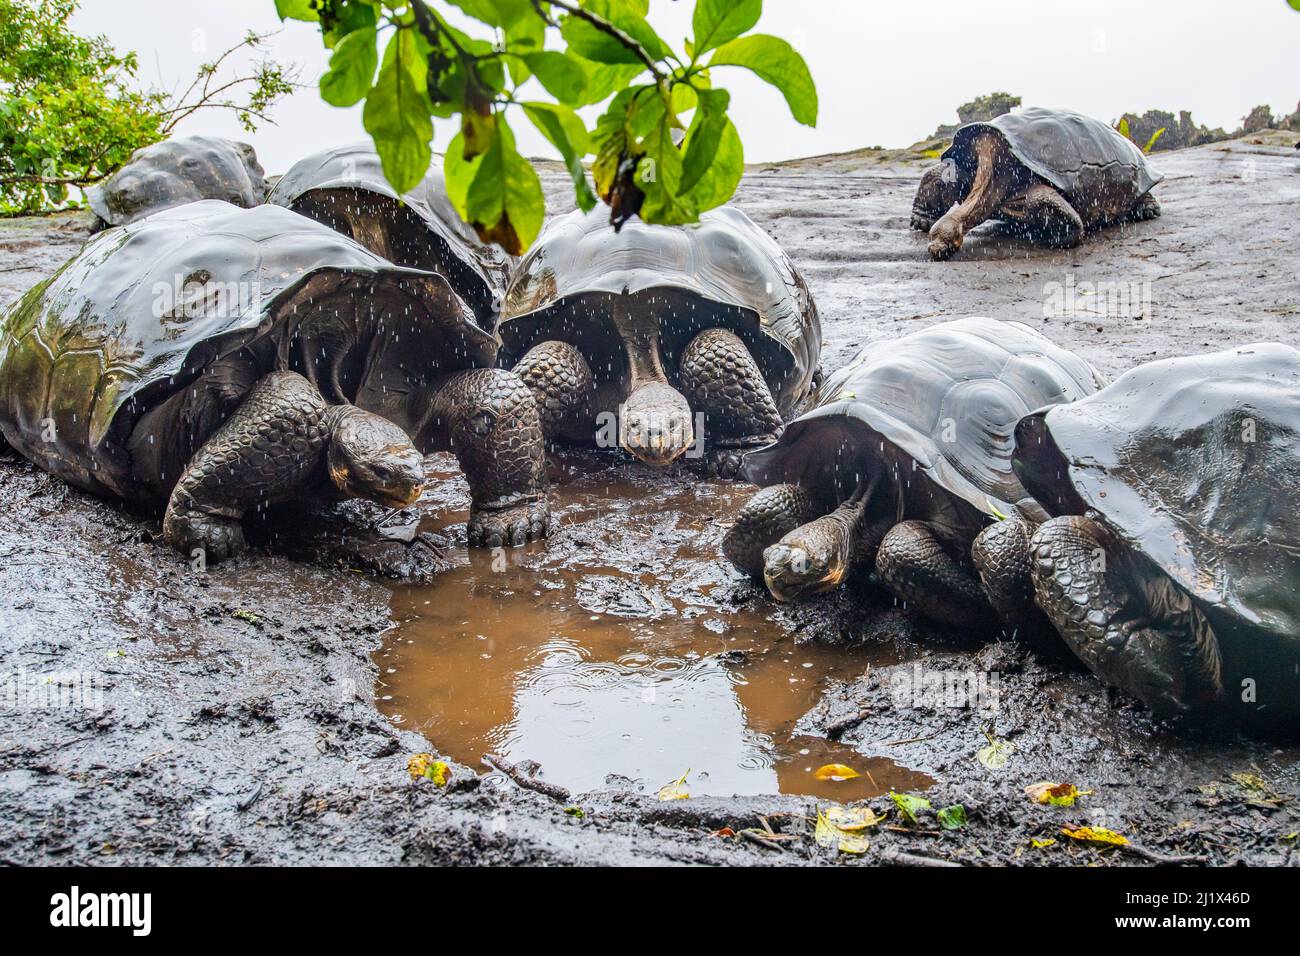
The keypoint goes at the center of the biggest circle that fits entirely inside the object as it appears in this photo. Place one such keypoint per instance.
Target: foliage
(664, 146)
(71, 111)
(1123, 129)
(982, 109)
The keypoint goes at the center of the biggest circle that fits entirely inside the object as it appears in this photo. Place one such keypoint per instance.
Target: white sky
(888, 71)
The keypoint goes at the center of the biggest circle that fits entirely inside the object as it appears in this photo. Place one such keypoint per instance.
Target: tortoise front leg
(493, 426)
(939, 191)
(561, 382)
(767, 518)
(1003, 559)
(722, 380)
(1104, 616)
(1044, 216)
(929, 571)
(267, 451)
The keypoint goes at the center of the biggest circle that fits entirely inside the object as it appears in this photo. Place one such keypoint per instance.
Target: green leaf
(566, 132)
(908, 805)
(603, 79)
(996, 754)
(659, 176)
(352, 69)
(953, 817)
(562, 76)
(705, 134)
(776, 62)
(587, 41)
(719, 182)
(719, 21)
(396, 115)
(505, 202)
(297, 10)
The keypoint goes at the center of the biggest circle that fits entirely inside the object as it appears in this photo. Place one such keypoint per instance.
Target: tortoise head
(370, 457)
(810, 560)
(654, 423)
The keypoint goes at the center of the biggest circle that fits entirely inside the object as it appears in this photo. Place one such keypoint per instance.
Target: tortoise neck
(638, 330)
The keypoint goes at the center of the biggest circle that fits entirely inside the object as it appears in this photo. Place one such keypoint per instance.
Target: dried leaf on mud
(909, 805)
(423, 765)
(676, 790)
(1095, 835)
(830, 835)
(836, 771)
(1038, 844)
(1055, 794)
(851, 819)
(996, 754)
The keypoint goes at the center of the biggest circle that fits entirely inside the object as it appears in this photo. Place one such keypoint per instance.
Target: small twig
(1152, 857)
(759, 840)
(551, 790)
(607, 28)
(899, 858)
(837, 729)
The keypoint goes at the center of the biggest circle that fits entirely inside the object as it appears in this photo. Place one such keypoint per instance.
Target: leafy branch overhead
(664, 146)
(73, 111)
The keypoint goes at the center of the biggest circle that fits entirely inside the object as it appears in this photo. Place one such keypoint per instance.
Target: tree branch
(607, 28)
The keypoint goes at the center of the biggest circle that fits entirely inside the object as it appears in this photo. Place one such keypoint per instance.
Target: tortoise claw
(509, 527)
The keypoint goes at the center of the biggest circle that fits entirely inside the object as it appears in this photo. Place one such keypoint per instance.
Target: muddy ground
(238, 723)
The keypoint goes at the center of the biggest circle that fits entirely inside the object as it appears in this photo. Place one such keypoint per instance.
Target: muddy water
(621, 653)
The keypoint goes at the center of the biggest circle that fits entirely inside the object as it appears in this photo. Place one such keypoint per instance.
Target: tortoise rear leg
(561, 382)
(767, 518)
(1148, 207)
(1104, 616)
(722, 381)
(930, 572)
(268, 449)
(939, 191)
(1044, 216)
(492, 423)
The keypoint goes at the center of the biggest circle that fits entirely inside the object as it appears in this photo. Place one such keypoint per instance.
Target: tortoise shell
(345, 188)
(723, 271)
(1100, 172)
(938, 408)
(117, 367)
(175, 172)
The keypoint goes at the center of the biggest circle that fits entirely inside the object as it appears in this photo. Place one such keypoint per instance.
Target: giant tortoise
(903, 460)
(1171, 565)
(218, 358)
(175, 172)
(627, 337)
(1051, 175)
(345, 188)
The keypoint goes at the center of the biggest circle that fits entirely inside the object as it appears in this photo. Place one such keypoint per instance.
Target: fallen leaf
(677, 789)
(724, 832)
(423, 765)
(836, 771)
(828, 835)
(908, 805)
(1257, 791)
(996, 754)
(1038, 844)
(953, 817)
(576, 812)
(1291, 837)
(1095, 835)
(1055, 794)
(851, 819)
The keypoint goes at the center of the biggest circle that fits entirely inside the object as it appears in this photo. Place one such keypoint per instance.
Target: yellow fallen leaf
(851, 819)
(677, 789)
(1095, 835)
(997, 753)
(828, 835)
(836, 771)
(1055, 794)
(423, 765)
(1038, 844)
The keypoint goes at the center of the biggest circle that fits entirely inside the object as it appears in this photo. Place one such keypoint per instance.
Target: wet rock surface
(237, 720)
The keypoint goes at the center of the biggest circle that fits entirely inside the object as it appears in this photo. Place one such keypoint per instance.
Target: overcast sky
(887, 72)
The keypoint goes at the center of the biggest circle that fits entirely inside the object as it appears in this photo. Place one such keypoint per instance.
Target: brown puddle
(616, 649)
